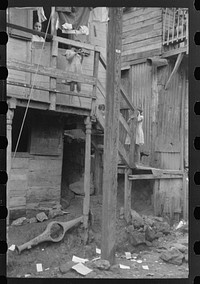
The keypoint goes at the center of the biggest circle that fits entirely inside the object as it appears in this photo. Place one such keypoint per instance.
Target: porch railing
(175, 25)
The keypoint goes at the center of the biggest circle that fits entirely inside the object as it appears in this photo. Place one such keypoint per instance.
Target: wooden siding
(141, 96)
(142, 34)
(168, 141)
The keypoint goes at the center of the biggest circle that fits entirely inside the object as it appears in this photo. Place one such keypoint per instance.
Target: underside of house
(56, 134)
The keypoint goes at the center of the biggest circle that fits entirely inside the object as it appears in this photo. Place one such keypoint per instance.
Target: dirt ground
(53, 255)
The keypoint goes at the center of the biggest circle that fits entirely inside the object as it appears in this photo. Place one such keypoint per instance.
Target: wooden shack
(154, 75)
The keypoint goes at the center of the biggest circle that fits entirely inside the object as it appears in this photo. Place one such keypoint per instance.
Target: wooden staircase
(124, 153)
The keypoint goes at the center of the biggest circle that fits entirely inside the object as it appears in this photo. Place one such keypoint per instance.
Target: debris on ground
(64, 268)
(136, 219)
(32, 220)
(135, 237)
(54, 213)
(172, 255)
(39, 267)
(98, 251)
(128, 255)
(145, 267)
(124, 266)
(82, 269)
(12, 247)
(79, 259)
(102, 264)
(27, 275)
(19, 221)
(41, 217)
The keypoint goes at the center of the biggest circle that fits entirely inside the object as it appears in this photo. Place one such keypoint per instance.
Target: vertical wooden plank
(86, 201)
(127, 195)
(111, 134)
(54, 54)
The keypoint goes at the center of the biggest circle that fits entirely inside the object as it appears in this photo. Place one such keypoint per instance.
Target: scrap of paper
(79, 259)
(145, 267)
(98, 251)
(12, 248)
(39, 267)
(139, 261)
(27, 275)
(124, 266)
(82, 269)
(128, 255)
(96, 258)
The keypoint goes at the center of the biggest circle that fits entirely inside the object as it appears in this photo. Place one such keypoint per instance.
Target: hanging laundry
(76, 19)
(100, 14)
(41, 15)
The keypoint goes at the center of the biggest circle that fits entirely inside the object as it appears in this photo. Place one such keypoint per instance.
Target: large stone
(150, 234)
(102, 264)
(78, 187)
(163, 227)
(64, 268)
(19, 221)
(137, 220)
(173, 256)
(135, 237)
(41, 217)
(180, 247)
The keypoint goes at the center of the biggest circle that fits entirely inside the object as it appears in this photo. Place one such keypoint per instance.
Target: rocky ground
(147, 247)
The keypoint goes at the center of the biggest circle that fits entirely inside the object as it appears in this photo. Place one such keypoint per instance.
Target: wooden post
(86, 201)
(9, 118)
(127, 195)
(111, 134)
(95, 75)
(54, 54)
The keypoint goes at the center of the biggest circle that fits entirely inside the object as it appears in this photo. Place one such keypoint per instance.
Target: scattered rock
(121, 213)
(19, 221)
(137, 220)
(149, 244)
(102, 264)
(173, 256)
(64, 268)
(55, 212)
(156, 218)
(135, 237)
(150, 234)
(41, 217)
(180, 247)
(163, 227)
(159, 235)
(32, 220)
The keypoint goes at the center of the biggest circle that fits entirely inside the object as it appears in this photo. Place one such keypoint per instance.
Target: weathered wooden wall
(168, 137)
(36, 175)
(142, 34)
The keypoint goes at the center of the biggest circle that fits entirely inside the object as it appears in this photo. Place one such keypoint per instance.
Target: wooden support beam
(127, 195)
(86, 201)
(111, 134)
(53, 63)
(149, 176)
(174, 52)
(177, 64)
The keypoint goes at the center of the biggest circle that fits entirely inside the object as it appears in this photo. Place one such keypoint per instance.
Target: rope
(31, 91)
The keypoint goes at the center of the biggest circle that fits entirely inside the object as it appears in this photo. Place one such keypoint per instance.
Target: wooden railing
(175, 25)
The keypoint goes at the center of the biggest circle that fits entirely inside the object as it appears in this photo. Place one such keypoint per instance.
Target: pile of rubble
(49, 213)
(152, 231)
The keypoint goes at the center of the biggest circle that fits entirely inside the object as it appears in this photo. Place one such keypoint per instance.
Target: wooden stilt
(10, 115)
(111, 134)
(127, 195)
(86, 201)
